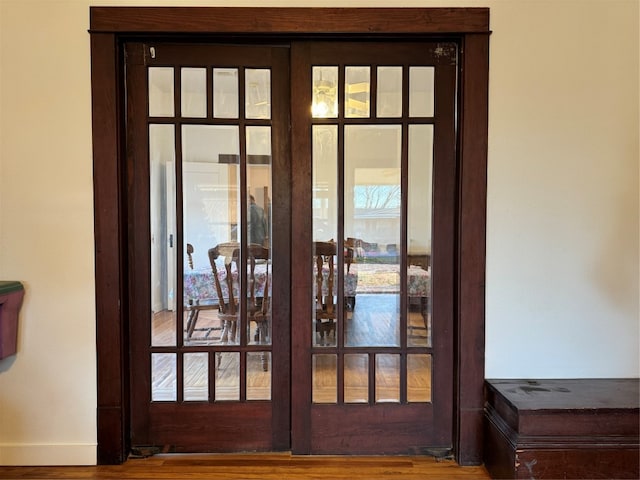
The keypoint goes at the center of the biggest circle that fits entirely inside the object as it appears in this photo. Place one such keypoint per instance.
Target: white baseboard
(54, 454)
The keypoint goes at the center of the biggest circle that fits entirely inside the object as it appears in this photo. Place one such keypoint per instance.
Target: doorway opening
(116, 237)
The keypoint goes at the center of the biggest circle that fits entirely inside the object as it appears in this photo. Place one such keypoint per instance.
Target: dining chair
(193, 307)
(324, 255)
(228, 290)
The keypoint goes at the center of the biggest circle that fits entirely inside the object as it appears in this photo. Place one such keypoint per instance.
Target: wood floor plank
(268, 466)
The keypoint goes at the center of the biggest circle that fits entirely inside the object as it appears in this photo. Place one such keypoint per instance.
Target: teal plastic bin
(11, 295)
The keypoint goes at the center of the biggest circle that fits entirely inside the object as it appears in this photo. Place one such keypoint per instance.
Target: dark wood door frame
(111, 26)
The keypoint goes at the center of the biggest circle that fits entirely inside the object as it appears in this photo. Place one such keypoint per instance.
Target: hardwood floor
(258, 466)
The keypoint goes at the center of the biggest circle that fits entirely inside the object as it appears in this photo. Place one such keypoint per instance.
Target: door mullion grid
(180, 376)
(340, 378)
(371, 356)
(179, 240)
(373, 92)
(212, 357)
(242, 261)
(341, 327)
(404, 217)
(209, 93)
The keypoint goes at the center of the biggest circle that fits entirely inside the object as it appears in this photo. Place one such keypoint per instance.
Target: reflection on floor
(373, 322)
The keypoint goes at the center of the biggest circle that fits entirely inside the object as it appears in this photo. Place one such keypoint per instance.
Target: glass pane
(387, 378)
(258, 93)
(357, 91)
(259, 184)
(356, 378)
(227, 376)
(325, 182)
(324, 92)
(325, 379)
(419, 378)
(258, 376)
(389, 92)
(211, 203)
(196, 376)
(259, 234)
(163, 377)
(225, 93)
(161, 92)
(421, 92)
(372, 201)
(419, 214)
(162, 201)
(325, 228)
(193, 92)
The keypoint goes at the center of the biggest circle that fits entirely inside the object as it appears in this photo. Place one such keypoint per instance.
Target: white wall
(47, 391)
(562, 255)
(562, 251)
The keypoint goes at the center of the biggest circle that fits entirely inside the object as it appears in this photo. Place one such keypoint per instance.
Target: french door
(374, 173)
(286, 147)
(208, 153)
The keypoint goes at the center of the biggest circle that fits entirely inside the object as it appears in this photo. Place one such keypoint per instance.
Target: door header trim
(325, 21)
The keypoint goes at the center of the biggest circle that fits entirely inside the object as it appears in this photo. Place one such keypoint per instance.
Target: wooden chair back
(324, 257)
(231, 253)
(258, 307)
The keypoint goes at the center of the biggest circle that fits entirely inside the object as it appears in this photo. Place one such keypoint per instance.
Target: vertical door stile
(301, 175)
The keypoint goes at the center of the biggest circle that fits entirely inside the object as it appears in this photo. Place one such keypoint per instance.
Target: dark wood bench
(582, 429)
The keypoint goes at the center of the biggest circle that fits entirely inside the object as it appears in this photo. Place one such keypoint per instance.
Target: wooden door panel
(212, 428)
(206, 408)
(371, 429)
(397, 425)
